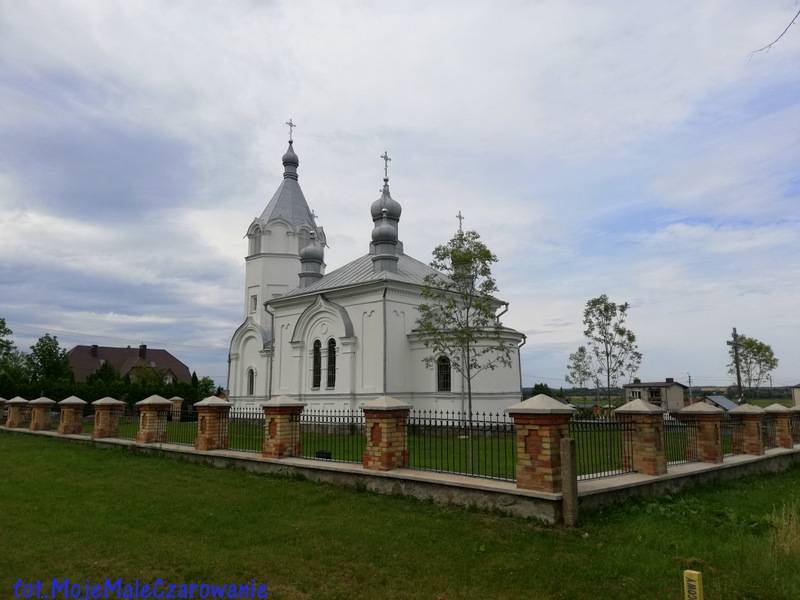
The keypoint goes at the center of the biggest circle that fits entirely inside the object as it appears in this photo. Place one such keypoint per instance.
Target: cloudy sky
(636, 149)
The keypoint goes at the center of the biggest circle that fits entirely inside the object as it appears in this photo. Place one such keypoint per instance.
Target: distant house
(668, 394)
(721, 402)
(85, 360)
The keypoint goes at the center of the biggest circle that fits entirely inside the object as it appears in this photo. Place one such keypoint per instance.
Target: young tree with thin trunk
(459, 319)
(611, 343)
(756, 361)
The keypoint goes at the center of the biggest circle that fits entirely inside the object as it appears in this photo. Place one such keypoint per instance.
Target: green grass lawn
(73, 510)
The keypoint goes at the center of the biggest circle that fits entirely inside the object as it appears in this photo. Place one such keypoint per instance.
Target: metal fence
(128, 422)
(246, 429)
(603, 445)
(335, 435)
(680, 441)
(452, 442)
(731, 435)
(769, 432)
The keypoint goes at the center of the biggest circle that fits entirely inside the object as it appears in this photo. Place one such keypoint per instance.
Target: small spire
(291, 126)
(460, 218)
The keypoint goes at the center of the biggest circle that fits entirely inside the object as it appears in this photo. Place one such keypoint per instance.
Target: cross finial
(291, 125)
(386, 161)
(313, 213)
(460, 218)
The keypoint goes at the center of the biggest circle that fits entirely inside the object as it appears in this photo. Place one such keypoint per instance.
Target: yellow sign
(692, 585)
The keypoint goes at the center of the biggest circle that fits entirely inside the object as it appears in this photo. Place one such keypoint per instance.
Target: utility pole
(735, 344)
(689, 375)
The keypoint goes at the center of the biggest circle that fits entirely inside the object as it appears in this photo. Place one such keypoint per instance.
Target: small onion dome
(313, 250)
(386, 202)
(384, 232)
(290, 158)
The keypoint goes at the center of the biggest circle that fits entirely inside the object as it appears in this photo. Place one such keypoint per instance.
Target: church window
(443, 379)
(253, 303)
(251, 382)
(331, 363)
(316, 368)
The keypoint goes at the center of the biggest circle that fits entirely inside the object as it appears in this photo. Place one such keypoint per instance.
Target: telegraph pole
(690, 387)
(735, 344)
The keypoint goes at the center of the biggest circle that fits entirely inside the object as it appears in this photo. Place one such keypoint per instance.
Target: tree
(611, 343)
(48, 360)
(756, 361)
(459, 319)
(6, 344)
(579, 368)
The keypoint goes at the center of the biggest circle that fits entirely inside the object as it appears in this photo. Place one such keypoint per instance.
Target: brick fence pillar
(541, 423)
(708, 421)
(647, 446)
(212, 423)
(19, 413)
(71, 418)
(783, 424)
(41, 417)
(795, 424)
(747, 429)
(386, 430)
(282, 427)
(153, 413)
(106, 417)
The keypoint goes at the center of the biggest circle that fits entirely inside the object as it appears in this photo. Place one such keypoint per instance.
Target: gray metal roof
(722, 402)
(409, 270)
(289, 204)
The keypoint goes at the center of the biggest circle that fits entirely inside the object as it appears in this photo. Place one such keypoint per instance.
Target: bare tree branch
(777, 39)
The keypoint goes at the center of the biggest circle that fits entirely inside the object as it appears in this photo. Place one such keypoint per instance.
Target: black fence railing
(335, 435)
(769, 433)
(451, 442)
(127, 422)
(181, 430)
(246, 429)
(680, 441)
(731, 435)
(603, 445)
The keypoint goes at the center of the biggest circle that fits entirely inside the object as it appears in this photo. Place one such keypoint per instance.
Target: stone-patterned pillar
(747, 433)
(282, 427)
(541, 423)
(18, 413)
(648, 455)
(153, 413)
(212, 424)
(71, 418)
(177, 405)
(795, 424)
(386, 431)
(783, 425)
(107, 412)
(41, 418)
(708, 420)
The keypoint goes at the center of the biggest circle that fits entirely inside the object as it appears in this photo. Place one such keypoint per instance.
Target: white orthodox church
(336, 340)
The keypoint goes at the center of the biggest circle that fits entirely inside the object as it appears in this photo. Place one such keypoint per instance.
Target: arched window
(251, 382)
(443, 383)
(331, 363)
(316, 370)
